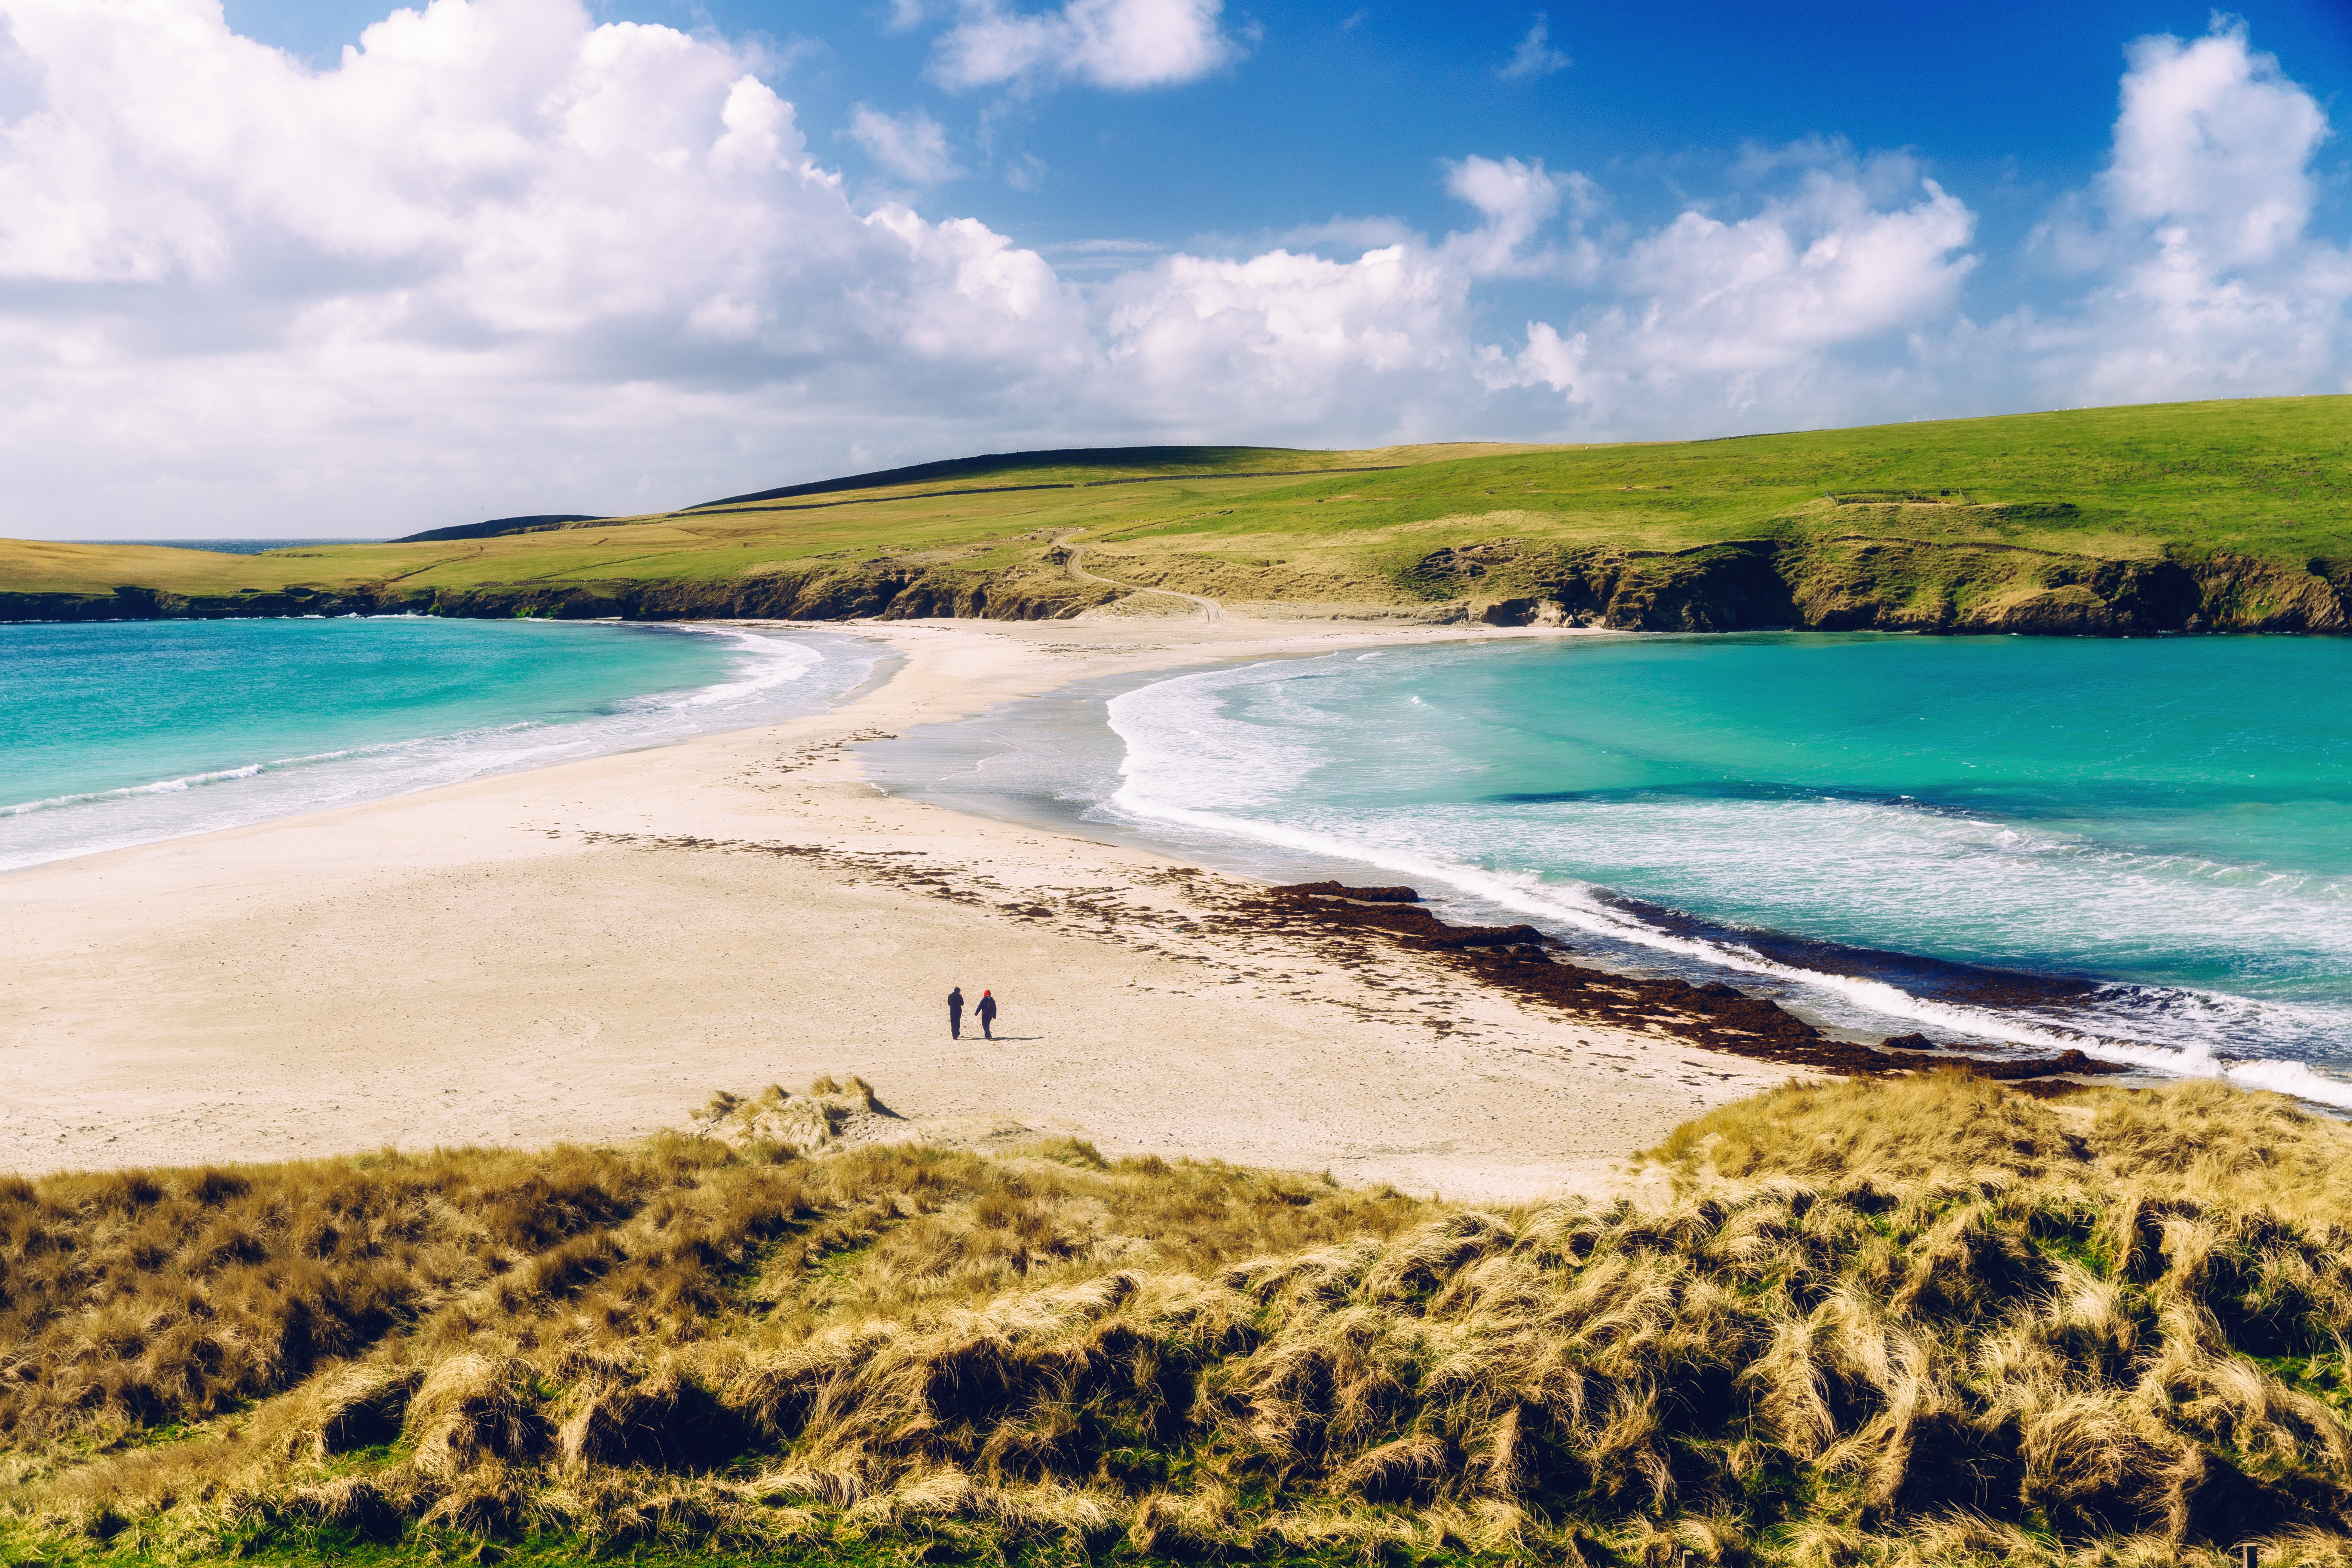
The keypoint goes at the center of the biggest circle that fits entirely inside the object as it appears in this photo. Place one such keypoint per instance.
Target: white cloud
(2214, 139)
(1358, 234)
(1516, 200)
(1122, 44)
(1815, 270)
(1535, 56)
(2207, 281)
(499, 255)
(912, 145)
(1703, 320)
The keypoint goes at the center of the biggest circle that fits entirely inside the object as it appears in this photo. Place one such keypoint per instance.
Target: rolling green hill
(2221, 516)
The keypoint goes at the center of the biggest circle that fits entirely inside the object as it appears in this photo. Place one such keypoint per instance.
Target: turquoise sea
(122, 733)
(2143, 847)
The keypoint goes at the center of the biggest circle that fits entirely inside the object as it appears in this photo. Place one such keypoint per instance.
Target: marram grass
(1919, 1321)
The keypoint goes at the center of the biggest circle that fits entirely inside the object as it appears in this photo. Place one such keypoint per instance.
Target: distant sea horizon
(222, 546)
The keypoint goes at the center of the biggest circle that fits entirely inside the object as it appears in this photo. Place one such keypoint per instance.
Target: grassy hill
(1925, 1320)
(2232, 515)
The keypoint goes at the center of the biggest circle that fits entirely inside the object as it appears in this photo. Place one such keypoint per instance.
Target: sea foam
(1310, 759)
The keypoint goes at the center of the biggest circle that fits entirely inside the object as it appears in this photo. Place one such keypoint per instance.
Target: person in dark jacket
(987, 1013)
(955, 1014)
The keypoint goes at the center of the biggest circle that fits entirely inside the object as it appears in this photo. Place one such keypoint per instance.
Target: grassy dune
(1925, 1320)
(2231, 515)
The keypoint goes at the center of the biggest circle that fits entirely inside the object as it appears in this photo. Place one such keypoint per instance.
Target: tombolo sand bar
(588, 952)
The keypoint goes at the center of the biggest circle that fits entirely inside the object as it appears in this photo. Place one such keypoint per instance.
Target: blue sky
(1347, 110)
(604, 255)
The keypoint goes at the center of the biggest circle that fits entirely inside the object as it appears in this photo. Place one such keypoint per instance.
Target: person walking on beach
(955, 1014)
(987, 1013)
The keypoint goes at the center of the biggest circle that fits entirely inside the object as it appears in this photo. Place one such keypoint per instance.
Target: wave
(785, 662)
(167, 787)
(1190, 764)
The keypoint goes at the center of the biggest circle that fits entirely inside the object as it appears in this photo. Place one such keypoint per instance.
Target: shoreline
(1984, 1014)
(758, 681)
(570, 952)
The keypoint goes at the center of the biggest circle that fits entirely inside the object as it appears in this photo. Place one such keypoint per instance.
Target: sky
(315, 268)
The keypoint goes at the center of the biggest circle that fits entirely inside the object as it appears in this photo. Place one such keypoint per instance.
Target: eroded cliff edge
(1855, 568)
(1838, 585)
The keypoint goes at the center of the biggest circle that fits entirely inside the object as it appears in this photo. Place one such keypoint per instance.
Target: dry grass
(1931, 1322)
(2201, 1140)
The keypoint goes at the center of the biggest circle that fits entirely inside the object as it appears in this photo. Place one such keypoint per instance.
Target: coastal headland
(2227, 516)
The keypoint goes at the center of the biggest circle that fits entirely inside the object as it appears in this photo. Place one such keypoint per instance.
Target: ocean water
(121, 733)
(2140, 848)
(230, 546)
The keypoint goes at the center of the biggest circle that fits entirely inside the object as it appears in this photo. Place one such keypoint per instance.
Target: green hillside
(2232, 515)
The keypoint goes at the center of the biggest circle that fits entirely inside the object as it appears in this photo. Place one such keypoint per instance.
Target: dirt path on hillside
(1211, 612)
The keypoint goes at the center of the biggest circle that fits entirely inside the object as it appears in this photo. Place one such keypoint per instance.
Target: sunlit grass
(1925, 1320)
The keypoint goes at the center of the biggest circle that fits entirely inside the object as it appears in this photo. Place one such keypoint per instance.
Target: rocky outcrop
(2238, 592)
(1724, 587)
(816, 594)
(134, 603)
(884, 592)
(1856, 582)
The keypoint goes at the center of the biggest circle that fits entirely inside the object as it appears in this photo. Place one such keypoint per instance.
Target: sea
(231, 546)
(2139, 848)
(115, 733)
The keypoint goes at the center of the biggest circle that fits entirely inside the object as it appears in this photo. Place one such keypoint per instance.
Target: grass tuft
(1911, 1321)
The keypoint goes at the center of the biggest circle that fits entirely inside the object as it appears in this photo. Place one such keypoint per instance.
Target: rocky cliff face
(1896, 584)
(818, 593)
(1853, 581)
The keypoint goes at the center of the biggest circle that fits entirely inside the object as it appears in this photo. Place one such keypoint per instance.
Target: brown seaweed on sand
(1523, 961)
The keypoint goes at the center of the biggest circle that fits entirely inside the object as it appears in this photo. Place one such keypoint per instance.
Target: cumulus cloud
(1122, 44)
(2214, 137)
(500, 255)
(1535, 56)
(500, 259)
(2207, 281)
(1516, 199)
(912, 145)
(1819, 267)
(1712, 317)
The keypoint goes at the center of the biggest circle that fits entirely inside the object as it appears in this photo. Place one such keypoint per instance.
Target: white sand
(488, 963)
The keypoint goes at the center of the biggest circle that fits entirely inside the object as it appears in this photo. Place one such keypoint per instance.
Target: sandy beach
(587, 952)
